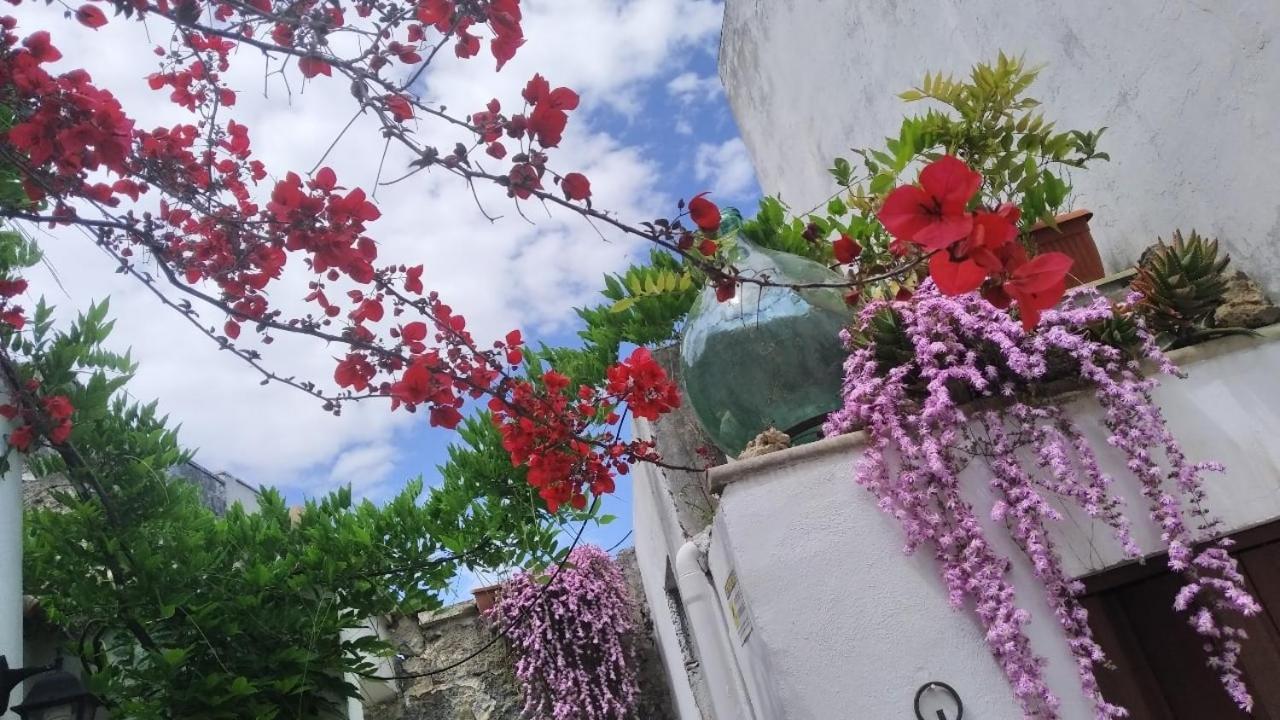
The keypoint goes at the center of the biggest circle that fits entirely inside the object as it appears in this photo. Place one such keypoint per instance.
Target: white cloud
(728, 169)
(500, 275)
(365, 468)
(690, 87)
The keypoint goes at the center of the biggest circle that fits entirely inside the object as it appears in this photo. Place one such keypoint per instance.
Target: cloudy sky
(654, 127)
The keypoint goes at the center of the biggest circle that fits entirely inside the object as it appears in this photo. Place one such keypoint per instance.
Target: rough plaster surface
(846, 626)
(1188, 89)
(683, 442)
(656, 700)
(482, 689)
(658, 536)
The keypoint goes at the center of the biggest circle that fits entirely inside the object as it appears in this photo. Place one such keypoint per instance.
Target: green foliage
(179, 613)
(11, 192)
(1181, 283)
(483, 499)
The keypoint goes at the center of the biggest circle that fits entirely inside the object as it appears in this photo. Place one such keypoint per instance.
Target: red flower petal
(1041, 273)
(903, 212)
(313, 66)
(950, 181)
(704, 213)
(955, 278)
(576, 186)
(942, 231)
(91, 16)
(992, 230)
(846, 249)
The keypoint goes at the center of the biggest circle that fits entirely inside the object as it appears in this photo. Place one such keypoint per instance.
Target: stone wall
(482, 689)
(485, 687)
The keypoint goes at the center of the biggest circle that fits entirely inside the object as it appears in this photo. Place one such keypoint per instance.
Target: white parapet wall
(830, 620)
(11, 645)
(1188, 90)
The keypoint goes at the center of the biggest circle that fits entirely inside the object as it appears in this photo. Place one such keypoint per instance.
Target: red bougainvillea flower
(704, 213)
(21, 438)
(576, 186)
(14, 318)
(91, 16)
(399, 107)
(846, 249)
(41, 47)
(642, 383)
(436, 12)
(1038, 285)
(413, 280)
(963, 266)
(550, 110)
(934, 213)
(58, 406)
(312, 66)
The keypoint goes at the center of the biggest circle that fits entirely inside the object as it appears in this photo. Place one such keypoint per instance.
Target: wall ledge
(722, 476)
(435, 617)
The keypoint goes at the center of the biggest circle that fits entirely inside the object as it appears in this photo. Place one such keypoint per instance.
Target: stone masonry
(485, 687)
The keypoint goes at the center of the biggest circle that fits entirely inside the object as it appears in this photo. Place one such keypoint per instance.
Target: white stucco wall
(657, 539)
(846, 626)
(1189, 90)
(11, 566)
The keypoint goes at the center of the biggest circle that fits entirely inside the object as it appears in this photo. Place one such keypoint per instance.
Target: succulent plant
(1181, 282)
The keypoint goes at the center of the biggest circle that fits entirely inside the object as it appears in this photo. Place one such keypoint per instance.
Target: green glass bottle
(770, 357)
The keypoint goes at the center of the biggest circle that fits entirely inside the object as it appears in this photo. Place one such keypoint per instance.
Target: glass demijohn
(770, 357)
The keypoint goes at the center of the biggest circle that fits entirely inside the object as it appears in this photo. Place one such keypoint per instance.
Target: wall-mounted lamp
(59, 695)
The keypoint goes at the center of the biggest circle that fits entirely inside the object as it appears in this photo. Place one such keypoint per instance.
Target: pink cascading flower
(921, 438)
(573, 639)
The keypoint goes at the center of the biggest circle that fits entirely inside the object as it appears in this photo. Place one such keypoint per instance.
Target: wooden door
(1159, 668)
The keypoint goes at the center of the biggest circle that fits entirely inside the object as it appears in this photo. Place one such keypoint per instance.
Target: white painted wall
(846, 626)
(11, 566)
(1189, 89)
(657, 538)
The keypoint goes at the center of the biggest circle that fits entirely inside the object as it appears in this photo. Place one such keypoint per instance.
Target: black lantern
(56, 695)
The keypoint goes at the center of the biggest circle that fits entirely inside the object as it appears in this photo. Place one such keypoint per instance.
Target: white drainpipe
(710, 636)
(11, 566)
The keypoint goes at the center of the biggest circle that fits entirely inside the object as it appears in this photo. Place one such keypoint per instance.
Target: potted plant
(486, 596)
(1069, 234)
(988, 121)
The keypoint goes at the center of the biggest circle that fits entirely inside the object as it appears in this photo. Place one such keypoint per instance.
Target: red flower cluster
(74, 129)
(50, 417)
(643, 385)
(502, 16)
(547, 429)
(972, 249)
(537, 129)
(211, 227)
(12, 315)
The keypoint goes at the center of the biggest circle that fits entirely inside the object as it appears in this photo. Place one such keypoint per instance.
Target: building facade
(778, 588)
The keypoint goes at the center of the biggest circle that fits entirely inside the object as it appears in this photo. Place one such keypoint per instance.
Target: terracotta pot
(486, 597)
(1072, 237)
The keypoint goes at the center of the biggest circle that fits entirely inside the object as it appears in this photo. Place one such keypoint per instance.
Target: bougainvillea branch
(194, 200)
(940, 381)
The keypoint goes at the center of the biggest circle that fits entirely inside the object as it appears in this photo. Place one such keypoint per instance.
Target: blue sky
(685, 126)
(653, 127)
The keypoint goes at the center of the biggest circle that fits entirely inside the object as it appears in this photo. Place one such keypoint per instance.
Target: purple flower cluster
(573, 639)
(975, 389)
